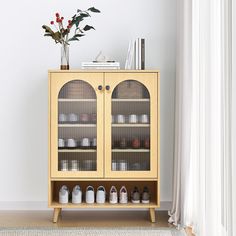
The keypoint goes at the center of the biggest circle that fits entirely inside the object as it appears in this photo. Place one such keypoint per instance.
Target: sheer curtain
(204, 167)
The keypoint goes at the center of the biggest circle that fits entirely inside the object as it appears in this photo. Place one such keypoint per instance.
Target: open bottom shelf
(105, 205)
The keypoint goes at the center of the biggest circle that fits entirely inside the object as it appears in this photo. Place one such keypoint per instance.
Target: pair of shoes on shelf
(64, 195)
(135, 196)
(100, 196)
(123, 196)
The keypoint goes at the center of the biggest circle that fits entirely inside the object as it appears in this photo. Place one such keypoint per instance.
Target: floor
(83, 219)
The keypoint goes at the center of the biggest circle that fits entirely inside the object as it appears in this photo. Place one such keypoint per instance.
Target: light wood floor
(83, 219)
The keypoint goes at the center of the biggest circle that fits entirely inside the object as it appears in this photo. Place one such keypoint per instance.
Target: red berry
(62, 18)
(52, 22)
(57, 15)
(68, 26)
(58, 20)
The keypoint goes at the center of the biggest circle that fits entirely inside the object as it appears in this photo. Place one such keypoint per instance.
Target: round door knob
(100, 87)
(107, 87)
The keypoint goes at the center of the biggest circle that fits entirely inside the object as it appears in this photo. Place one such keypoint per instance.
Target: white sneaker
(101, 195)
(64, 195)
(123, 195)
(89, 195)
(76, 195)
(113, 198)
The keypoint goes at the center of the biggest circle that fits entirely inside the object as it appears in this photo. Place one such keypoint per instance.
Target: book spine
(136, 54)
(142, 54)
(139, 54)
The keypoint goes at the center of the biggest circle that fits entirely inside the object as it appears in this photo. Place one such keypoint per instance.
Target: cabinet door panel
(76, 125)
(131, 138)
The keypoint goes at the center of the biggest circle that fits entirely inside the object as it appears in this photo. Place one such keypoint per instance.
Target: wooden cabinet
(104, 130)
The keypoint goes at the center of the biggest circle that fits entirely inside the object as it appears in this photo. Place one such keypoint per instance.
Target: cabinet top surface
(103, 71)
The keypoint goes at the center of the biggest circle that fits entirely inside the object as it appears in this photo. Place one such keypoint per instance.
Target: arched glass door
(76, 122)
(130, 127)
(131, 136)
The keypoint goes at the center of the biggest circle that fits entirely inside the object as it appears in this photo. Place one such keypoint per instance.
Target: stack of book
(97, 65)
(136, 55)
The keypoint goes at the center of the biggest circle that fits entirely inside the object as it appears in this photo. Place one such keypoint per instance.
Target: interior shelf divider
(76, 125)
(76, 100)
(77, 150)
(130, 125)
(130, 150)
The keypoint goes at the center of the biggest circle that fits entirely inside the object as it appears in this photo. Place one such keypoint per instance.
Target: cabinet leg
(152, 215)
(56, 213)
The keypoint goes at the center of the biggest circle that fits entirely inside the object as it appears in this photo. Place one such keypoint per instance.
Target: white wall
(25, 57)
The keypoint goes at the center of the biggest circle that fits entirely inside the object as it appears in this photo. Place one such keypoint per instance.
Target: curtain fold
(203, 167)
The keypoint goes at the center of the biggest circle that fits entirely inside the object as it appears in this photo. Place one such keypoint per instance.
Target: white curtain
(203, 179)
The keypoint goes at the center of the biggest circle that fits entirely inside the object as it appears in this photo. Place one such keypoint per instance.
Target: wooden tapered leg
(152, 215)
(56, 214)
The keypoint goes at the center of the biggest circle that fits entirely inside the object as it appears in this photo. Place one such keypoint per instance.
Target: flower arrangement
(62, 31)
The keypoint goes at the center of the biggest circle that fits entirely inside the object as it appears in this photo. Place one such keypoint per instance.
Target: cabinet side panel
(158, 136)
(49, 138)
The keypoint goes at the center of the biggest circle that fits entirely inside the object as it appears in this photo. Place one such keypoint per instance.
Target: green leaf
(73, 39)
(48, 35)
(93, 9)
(77, 20)
(88, 27)
(79, 35)
(78, 10)
(84, 15)
(87, 13)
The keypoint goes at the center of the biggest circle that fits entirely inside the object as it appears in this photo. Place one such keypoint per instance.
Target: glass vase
(65, 57)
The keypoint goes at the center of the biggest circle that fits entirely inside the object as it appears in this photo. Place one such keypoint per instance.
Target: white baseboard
(43, 206)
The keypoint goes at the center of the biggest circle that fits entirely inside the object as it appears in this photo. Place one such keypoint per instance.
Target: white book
(99, 68)
(131, 61)
(100, 64)
(127, 62)
(130, 56)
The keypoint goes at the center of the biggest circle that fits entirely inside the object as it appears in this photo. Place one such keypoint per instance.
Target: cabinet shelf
(77, 125)
(131, 100)
(130, 150)
(76, 100)
(76, 150)
(131, 125)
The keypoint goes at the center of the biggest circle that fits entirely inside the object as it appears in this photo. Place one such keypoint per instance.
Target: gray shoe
(145, 195)
(135, 196)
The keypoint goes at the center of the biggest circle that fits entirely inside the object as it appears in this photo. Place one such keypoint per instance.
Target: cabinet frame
(57, 78)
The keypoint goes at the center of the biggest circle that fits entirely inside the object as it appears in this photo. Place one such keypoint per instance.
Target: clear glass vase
(65, 57)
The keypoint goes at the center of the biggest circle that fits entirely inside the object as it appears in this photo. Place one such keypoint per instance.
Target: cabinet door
(131, 135)
(76, 125)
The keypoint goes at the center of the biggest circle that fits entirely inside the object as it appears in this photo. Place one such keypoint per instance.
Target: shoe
(113, 198)
(76, 195)
(101, 195)
(135, 196)
(64, 195)
(123, 195)
(89, 195)
(145, 195)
